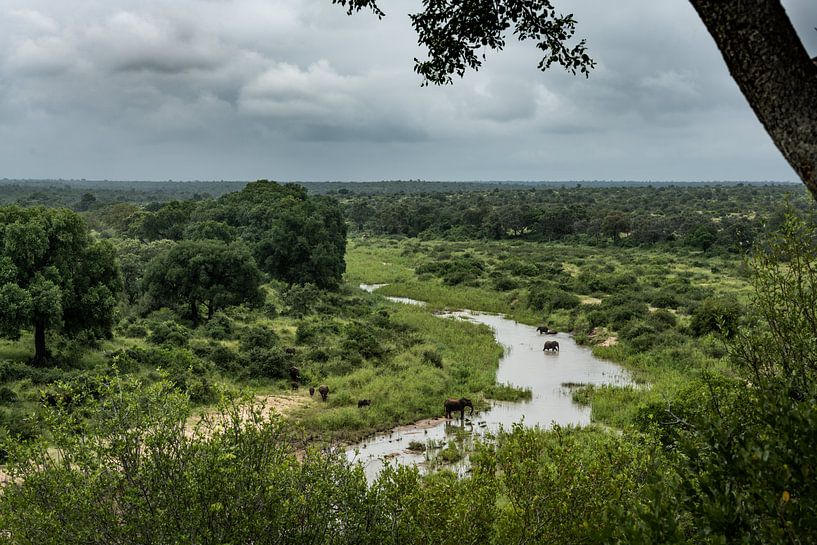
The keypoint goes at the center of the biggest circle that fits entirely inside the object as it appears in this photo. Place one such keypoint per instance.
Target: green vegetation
(54, 276)
(715, 444)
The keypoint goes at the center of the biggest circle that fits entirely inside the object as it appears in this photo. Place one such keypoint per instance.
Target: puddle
(547, 374)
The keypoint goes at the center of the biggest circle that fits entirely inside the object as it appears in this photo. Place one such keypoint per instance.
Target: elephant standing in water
(551, 345)
(454, 405)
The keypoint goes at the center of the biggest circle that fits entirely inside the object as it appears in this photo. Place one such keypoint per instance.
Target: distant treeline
(700, 216)
(70, 193)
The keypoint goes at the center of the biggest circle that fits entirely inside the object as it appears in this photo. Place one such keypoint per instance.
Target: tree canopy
(295, 237)
(207, 272)
(54, 276)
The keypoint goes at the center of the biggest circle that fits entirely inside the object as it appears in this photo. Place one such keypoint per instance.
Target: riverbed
(549, 375)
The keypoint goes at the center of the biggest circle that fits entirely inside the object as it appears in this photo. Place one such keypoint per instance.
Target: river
(549, 375)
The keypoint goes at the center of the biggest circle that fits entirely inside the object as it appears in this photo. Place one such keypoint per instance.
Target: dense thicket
(728, 216)
(293, 236)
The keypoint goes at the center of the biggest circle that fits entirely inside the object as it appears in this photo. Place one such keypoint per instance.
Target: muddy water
(547, 374)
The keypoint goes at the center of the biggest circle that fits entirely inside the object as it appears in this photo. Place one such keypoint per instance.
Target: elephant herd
(450, 406)
(323, 389)
(552, 346)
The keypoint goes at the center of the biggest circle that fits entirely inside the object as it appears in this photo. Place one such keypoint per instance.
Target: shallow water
(523, 364)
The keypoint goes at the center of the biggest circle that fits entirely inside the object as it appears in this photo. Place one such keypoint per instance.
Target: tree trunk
(210, 310)
(194, 313)
(40, 353)
(772, 69)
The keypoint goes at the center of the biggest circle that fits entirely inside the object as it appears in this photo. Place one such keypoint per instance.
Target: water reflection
(547, 374)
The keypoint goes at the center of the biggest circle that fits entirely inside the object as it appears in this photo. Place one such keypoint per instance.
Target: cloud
(236, 88)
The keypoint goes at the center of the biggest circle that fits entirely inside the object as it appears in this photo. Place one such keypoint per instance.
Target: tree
(295, 237)
(205, 272)
(54, 276)
(773, 71)
(756, 38)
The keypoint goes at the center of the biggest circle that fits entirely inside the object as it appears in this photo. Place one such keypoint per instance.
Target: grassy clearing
(408, 387)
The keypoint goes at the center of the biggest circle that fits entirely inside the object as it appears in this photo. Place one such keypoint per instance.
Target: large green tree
(760, 46)
(204, 272)
(295, 237)
(54, 276)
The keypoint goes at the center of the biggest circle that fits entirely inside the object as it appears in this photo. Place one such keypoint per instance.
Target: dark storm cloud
(296, 90)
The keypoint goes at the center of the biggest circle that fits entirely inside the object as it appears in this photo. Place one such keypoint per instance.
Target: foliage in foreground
(138, 472)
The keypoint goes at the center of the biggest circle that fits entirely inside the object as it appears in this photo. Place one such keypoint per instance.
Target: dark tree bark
(40, 352)
(194, 313)
(772, 68)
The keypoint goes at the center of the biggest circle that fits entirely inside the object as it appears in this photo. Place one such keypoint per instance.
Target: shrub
(258, 337)
(719, 315)
(300, 299)
(361, 340)
(169, 333)
(549, 298)
(265, 363)
(7, 395)
(224, 358)
(135, 331)
(433, 357)
(504, 283)
(219, 327)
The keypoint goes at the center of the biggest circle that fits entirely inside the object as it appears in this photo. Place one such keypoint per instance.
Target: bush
(361, 340)
(300, 299)
(549, 298)
(504, 283)
(219, 327)
(258, 337)
(7, 395)
(135, 331)
(719, 315)
(433, 357)
(265, 363)
(666, 298)
(224, 358)
(169, 333)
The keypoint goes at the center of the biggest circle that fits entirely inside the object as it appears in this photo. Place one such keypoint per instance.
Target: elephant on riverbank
(323, 389)
(454, 405)
(551, 345)
(541, 329)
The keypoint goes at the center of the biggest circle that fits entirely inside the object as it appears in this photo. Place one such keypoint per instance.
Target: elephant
(551, 345)
(541, 329)
(290, 351)
(311, 390)
(454, 405)
(551, 332)
(364, 403)
(323, 389)
(295, 374)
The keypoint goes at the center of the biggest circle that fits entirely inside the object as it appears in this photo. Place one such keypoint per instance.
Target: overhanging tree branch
(773, 71)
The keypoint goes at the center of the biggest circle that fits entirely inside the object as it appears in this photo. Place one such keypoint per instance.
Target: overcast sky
(296, 90)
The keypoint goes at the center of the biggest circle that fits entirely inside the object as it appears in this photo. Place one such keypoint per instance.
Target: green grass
(408, 388)
(663, 369)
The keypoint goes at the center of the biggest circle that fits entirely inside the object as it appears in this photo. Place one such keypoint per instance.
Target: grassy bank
(637, 307)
